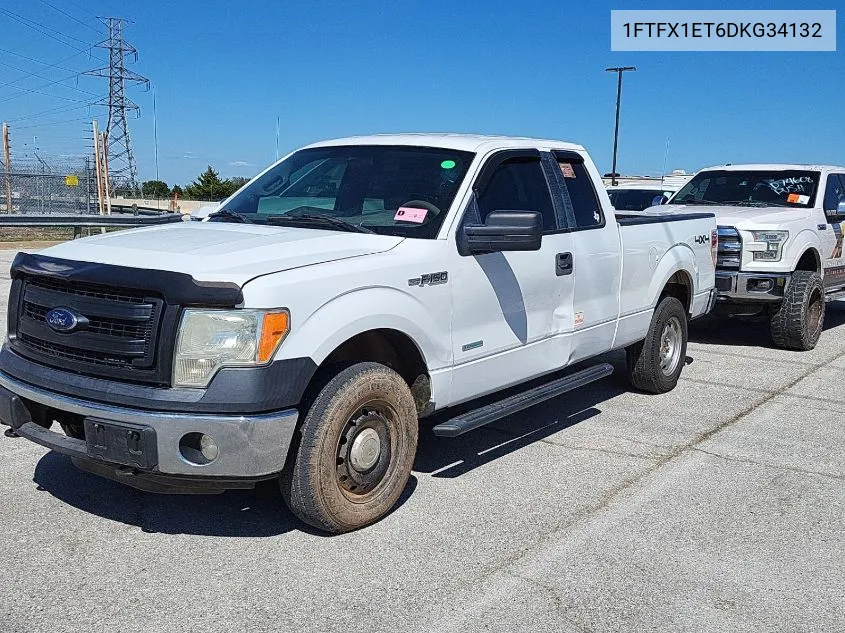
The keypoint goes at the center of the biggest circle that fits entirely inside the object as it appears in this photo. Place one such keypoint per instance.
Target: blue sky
(223, 72)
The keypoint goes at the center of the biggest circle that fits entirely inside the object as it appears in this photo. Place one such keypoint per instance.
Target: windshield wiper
(695, 201)
(314, 220)
(231, 216)
(754, 203)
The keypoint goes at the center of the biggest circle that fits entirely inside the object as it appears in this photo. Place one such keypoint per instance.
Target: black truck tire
(354, 450)
(655, 363)
(798, 322)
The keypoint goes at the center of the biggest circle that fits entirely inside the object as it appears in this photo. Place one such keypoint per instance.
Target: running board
(477, 418)
(837, 294)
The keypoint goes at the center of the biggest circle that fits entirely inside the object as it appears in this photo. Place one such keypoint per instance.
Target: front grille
(116, 338)
(729, 255)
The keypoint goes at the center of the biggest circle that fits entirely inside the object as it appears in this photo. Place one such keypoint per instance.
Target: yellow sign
(72, 181)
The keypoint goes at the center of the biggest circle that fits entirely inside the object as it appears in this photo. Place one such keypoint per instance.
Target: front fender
(800, 244)
(370, 308)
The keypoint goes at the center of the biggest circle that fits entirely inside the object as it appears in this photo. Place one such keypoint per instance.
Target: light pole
(618, 70)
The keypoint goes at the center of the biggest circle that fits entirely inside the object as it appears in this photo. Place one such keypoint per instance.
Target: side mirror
(658, 200)
(505, 231)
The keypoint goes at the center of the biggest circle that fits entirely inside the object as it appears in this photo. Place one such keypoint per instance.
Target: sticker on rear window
(566, 169)
(448, 164)
(410, 214)
(795, 198)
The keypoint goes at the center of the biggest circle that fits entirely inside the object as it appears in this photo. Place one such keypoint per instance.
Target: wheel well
(810, 260)
(388, 347)
(680, 287)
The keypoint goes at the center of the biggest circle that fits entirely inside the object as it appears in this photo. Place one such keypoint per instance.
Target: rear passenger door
(508, 305)
(597, 255)
(834, 262)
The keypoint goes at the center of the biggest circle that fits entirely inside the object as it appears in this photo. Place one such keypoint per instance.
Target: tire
(655, 364)
(798, 322)
(355, 450)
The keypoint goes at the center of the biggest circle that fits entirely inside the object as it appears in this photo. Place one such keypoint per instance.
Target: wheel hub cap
(365, 451)
(670, 346)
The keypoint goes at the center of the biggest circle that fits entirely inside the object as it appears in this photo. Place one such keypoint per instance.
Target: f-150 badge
(430, 279)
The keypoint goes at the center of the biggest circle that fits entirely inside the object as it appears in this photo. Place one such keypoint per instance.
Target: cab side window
(834, 193)
(518, 184)
(580, 191)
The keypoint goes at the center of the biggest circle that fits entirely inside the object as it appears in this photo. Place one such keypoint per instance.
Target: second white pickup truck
(780, 242)
(350, 289)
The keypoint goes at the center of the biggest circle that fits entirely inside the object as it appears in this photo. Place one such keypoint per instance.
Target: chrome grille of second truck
(729, 255)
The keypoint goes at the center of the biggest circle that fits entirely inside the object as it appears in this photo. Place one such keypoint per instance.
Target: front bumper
(749, 287)
(250, 446)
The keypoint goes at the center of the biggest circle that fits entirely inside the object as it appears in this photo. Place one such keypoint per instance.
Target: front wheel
(355, 451)
(797, 323)
(655, 364)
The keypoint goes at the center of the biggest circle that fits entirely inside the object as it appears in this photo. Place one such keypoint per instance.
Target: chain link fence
(44, 189)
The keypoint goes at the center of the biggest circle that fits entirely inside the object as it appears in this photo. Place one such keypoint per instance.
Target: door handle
(563, 264)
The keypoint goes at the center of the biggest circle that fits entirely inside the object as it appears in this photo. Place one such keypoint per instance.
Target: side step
(476, 418)
(834, 295)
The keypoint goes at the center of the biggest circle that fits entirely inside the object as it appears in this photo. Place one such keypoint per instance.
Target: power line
(53, 82)
(52, 111)
(45, 30)
(40, 125)
(48, 64)
(73, 17)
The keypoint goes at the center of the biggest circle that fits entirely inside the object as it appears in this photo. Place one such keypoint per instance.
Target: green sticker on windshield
(448, 164)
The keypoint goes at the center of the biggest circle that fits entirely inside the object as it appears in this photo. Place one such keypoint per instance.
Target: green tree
(155, 189)
(177, 191)
(208, 186)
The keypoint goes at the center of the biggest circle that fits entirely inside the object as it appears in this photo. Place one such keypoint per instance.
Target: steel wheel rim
(671, 343)
(364, 450)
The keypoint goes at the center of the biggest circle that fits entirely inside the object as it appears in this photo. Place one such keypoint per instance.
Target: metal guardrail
(124, 217)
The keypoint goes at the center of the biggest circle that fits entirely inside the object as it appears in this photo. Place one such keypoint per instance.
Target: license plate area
(121, 442)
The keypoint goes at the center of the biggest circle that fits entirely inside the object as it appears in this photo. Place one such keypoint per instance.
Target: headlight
(211, 339)
(768, 245)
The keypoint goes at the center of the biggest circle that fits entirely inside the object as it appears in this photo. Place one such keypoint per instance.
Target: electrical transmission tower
(122, 168)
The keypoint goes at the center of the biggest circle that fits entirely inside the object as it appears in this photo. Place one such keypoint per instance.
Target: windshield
(633, 199)
(393, 190)
(763, 188)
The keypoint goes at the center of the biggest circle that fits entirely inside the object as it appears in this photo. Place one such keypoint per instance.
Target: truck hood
(746, 218)
(222, 252)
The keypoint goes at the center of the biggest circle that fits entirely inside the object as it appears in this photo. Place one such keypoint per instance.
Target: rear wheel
(655, 364)
(797, 323)
(355, 451)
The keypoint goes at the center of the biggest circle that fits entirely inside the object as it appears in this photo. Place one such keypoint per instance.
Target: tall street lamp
(618, 70)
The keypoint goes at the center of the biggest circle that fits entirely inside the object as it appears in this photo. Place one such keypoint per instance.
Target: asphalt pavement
(717, 507)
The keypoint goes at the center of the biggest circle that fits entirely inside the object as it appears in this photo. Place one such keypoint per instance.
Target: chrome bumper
(252, 445)
(751, 287)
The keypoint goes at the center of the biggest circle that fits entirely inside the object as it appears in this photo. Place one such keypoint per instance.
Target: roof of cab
(466, 142)
(774, 166)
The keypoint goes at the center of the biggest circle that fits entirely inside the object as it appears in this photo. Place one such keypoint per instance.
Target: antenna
(665, 158)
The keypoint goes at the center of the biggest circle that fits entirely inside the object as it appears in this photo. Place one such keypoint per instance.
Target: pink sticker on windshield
(410, 214)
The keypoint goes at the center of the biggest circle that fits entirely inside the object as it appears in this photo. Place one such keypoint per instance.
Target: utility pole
(124, 169)
(106, 178)
(99, 171)
(618, 70)
(7, 164)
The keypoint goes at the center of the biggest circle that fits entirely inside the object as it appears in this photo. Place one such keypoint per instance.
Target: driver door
(834, 263)
(508, 306)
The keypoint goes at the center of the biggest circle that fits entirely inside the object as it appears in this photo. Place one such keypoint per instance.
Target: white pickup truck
(780, 242)
(350, 289)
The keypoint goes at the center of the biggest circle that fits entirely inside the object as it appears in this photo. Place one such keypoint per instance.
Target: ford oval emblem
(62, 320)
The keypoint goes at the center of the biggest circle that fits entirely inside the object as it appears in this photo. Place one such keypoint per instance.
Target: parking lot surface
(717, 507)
